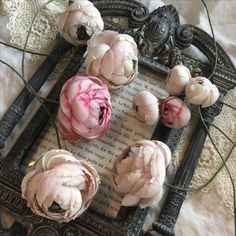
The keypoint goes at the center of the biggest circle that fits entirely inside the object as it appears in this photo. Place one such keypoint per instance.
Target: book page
(125, 129)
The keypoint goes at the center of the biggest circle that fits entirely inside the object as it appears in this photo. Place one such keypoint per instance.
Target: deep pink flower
(60, 187)
(85, 108)
(174, 112)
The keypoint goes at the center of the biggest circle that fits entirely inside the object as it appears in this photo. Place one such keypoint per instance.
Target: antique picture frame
(162, 41)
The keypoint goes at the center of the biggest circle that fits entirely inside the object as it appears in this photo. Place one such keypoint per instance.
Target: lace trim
(210, 160)
(44, 30)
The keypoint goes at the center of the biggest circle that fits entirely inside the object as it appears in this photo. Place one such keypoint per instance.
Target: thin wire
(210, 77)
(215, 43)
(209, 181)
(31, 90)
(226, 104)
(203, 121)
(23, 72)
(36, 53)
(228, 171)
(221, 131)
(27, 37)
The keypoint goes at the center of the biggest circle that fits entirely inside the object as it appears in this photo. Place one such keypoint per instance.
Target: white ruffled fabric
(208, 212)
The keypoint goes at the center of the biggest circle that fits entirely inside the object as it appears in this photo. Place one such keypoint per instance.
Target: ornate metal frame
(161, 40)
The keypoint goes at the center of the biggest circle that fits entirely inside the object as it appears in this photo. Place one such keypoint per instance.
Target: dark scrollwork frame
(162, 41)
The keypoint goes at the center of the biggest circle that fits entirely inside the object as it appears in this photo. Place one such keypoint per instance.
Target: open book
(125, 129)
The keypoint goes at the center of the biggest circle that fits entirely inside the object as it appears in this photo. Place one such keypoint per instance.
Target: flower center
(81, 33)
(55, 208)
(101, 113)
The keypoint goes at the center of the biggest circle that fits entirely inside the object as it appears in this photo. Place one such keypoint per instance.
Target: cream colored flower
(201, 91)
(80, 21)
(113, 57)
(146, 105)
(139, 173)
(177, 79)
(60, 187)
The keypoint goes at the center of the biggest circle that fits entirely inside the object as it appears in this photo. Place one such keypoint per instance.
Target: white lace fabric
(44, 29)
(210, 160)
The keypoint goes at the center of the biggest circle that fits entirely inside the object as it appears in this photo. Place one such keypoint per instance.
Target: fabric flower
(60, 187)
(174, 112)
(177, 79)
(112, 57)
(80, 21)
(147, 107)
(140, 171)
(201, 91)
(85, 108)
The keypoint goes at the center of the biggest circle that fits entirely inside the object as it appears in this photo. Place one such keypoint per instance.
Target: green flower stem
(214, 39)
(23, 73)
(31, 90)
(36, 53)
(228, 105)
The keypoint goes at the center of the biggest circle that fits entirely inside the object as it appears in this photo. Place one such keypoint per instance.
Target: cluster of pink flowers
(173, 111)
(60, 187)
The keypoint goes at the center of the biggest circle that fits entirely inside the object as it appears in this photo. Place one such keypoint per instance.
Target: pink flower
(112, 57)
(60, 187)
(201, 91)
(174, 112)
(80, 21)
(177, 79)
(147, 107)
(139, 173)
(85, 108)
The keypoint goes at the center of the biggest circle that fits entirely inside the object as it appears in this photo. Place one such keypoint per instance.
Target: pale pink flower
(177, 79)
(113, 57)
(140, 171)
(201, 91)
(60, 187)
(147, 107)
(80, 21)
(85, 108)
(174, 112)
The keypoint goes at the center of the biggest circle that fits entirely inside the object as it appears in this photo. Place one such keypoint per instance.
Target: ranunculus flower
(147, 107)
(177, 79)
(112, 57)
(174, 112)
(140, 171)
(79, 22)
(85, 108)
(201, 91)
(60, 187)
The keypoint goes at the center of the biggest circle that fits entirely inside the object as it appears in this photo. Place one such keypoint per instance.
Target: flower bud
(139, 173)
(174, 112)
(147, 107)
(85, 108)
(201, 91)
(177, 79)
(80, 21)
(60, 187)
(113, 58)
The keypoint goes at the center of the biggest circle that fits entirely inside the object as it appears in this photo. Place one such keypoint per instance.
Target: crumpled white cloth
(201, 213)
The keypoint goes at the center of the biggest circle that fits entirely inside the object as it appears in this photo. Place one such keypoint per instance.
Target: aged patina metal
(18, 107)
(161, 40)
